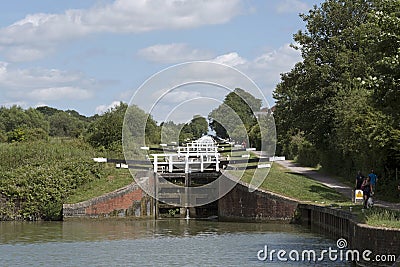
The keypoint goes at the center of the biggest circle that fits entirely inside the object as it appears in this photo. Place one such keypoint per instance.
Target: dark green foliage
(82, 118)
(195, 129)
(17, 118)
(17, 135)
(237, 110)
(48, 111)
(64, 124)
(343, 97)
(152, 130)
(3, 136)
(106, 131)
(19, 125)
(301, 150)
(67, 123)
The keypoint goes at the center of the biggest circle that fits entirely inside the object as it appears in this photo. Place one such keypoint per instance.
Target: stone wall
(381, 241)
(335, 223)
(260, 205)
(126, 201)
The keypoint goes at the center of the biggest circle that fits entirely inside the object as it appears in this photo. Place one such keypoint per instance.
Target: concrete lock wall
(336, 224)
(126, 201)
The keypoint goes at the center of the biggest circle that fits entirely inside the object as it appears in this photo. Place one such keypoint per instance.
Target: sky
(90, 55)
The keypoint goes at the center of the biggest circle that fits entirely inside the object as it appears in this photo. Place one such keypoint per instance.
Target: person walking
(367, 190)
(373, 180)
(359, 180)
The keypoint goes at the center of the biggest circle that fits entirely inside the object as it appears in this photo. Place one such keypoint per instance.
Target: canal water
(176, 242)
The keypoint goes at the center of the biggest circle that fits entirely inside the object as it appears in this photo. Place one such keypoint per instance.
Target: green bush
(308, 155)
(17, 135)
(3, 136)
(302, 151)
(36, 177)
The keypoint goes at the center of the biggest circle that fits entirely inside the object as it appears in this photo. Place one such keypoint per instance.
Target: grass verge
(113, 179)
(37, 177)
(382, 217)
(283, 182)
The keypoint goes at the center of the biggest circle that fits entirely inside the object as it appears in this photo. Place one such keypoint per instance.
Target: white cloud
(266, 66)
(231, 59)
(211, 80)
(282, 59)
(43, 84)
(179, 96)
(104, 108)
(173, 53)
(57, 93)
(292, 6)
(264, 70)
(37, 78)
(36, 34)
(141, 15)
(25, 53)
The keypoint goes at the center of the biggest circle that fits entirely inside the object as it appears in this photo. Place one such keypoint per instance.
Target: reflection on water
(150, 243)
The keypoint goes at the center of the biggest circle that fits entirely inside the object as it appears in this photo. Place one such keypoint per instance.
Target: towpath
(331, 182)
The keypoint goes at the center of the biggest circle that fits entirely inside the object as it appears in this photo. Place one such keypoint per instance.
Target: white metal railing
(201, 152)
(166, 162)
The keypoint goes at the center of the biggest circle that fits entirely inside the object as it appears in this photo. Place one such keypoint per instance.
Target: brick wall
(126, 201)
(260, 205)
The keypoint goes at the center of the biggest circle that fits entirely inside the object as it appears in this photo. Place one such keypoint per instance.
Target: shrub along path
(331, 183)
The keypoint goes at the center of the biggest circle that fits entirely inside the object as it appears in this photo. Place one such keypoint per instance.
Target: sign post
(358, 195)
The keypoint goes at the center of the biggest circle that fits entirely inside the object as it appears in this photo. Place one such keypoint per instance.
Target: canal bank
(381, 245)
(259, 206)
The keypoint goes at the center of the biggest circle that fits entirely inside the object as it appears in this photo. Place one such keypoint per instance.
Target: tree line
(340, 106)
(17, 124)
(105, 131)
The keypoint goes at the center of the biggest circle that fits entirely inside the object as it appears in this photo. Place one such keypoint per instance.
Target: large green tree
(16, 117)
(343, 98)
(235, 116)
(64, 124)
(106, 131)
(195, 129)
(332, 55)
(20, 125)
(140, 128)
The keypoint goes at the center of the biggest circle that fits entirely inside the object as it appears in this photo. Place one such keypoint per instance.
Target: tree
(23, 125)
(238, 108)
(381, 34)
(170, 131)
(332, 55)
(16, 117)
(48, 111)
(195, 129)
(106, 131)
(343, 97)
(64, 124)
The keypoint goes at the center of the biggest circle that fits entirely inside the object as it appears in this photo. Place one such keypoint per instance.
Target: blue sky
(89, 55)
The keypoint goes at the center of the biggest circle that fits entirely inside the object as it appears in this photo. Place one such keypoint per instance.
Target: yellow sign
(358, 194)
